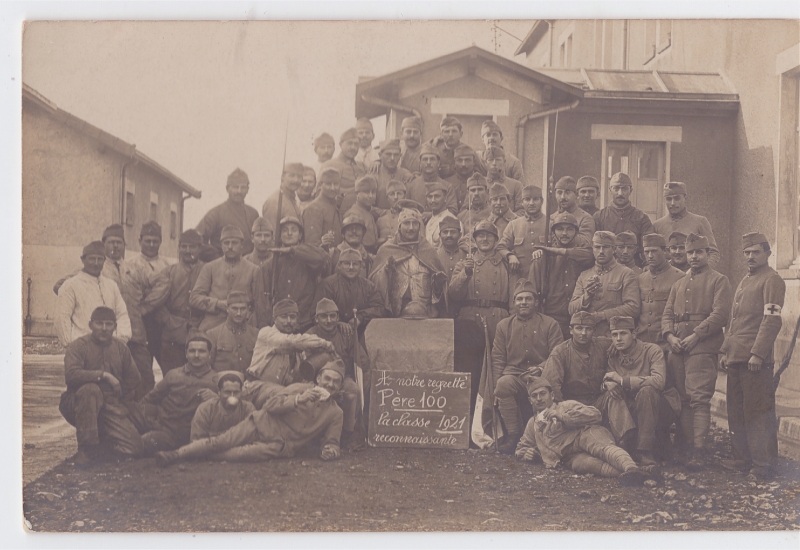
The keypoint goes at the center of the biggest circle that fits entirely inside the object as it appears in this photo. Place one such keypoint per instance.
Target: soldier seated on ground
(635, 404)
(277, 354)
(291, 418)
(101, 376)
(218, 415)
(570, 433)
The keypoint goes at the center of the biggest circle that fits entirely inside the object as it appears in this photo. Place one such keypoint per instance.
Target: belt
(685, 317)
(485, 303)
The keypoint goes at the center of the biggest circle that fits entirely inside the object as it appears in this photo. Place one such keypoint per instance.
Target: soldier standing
(492, 136)
(389, 170)
(523, 234)
(411, 134)
(291, 180)
(449, 251)
(621, 215)
(677, 251)
(499, 200)
(322, 221)
(625, 250)
(417, 189)
(477, 207)
(654, 286)
(588, 189)
(263, 240)
(349, 168)
(747, 355)
(231, 212)
(464, 157)
(680, 219)
(496, 173)
(449, 138)
(324, 147)
(366, 134)
(567, 199)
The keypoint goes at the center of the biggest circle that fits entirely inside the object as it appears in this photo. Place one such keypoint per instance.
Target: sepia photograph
(401, 276)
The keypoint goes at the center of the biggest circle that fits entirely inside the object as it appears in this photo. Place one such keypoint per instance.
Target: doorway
(644, 162)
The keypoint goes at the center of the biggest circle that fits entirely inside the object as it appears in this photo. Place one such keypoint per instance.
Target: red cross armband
(772, 309)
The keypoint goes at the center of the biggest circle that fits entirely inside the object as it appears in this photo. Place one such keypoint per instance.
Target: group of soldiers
(604, 330)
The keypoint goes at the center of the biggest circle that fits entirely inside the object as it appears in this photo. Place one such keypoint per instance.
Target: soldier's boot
(509, 444)
(87, 454)
(633, 477)
(761, 473)
(167, 458)
(696, 462)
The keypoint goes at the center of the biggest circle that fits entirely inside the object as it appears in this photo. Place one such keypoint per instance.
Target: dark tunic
(228, 213)
(349, 294)
(576, 374)
(232, 350)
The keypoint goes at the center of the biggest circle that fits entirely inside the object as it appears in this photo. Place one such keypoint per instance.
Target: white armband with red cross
(772, 309)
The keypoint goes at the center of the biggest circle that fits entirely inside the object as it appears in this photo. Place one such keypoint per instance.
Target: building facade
(76, 181)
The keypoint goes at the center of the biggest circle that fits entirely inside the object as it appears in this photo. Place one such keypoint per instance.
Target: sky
(203, 98)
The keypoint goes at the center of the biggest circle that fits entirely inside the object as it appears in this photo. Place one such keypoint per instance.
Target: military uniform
(211, 419)
(686, 222)
(232, 346)
(351, 171)
(577, 374)
(513, 168)
(384, 177)
(619, 295)
(654, 287)
(319, 218)
(228, 213)
(419, 187)
(585, 224)
(366, 258)
(520, 237)
(360, 294)
(514, 191)
(215, 281)
(629, 218)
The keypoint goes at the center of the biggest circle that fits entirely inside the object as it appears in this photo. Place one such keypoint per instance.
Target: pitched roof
(127, 149)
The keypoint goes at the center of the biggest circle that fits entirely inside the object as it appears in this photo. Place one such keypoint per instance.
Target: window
(130, 208)
(153, 206)
(565, 46)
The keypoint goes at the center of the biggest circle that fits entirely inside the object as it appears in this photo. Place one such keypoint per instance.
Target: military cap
(490, 126)
(752, 239)
(231, 232)
(326, 305)
(567, 183)
(151, 228)
(450, 121)
(498, 190)
(463, 150)
(408, 203)
(604, 237)
(322, 139)
(317, 360)
(190, 236)
(435, 186)
(538, 382)
(477, 180)
(388, 144)
(103, 313)
(524, 285)
(364, 122)
(293, 168)
(114, 230)
(196, 335)
(353, 219)
(533, 191)
(395, 184)
(285, 306)
(449, 222)
(654, 240)
(564, 218)
(237, 177)
(94, 248)
(485, 226)
(237, 297)
(261, 225)
(620, 178)
(414, 310)
(366, 184)
(330, 175)
(412, 122)
(587, 181)
(292, 219)
(674, 188)
(429, 149)
(350, 253)
(676, 238)
(622, 323)
(626, 238)
(582, 318)
(350, 133)
(696, 242)
(409, 214)
(221, 377)
(335, 366)
(495, 152)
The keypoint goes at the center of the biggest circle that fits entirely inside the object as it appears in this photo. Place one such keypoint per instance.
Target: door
(645, 163)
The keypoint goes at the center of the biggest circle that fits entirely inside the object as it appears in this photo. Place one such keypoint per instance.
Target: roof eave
(533, 37)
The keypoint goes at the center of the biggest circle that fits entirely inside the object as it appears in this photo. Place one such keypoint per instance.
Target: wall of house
(146, 182)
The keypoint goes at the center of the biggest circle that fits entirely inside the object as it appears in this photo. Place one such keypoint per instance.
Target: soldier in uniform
(492, 136)
(747, 355)
(555, 270)
(625, 249)
(417, 189)
(305, 193)
(353, 230)
(680, 219)
(621, 215)
(387, 222)
(450, 133)
(638, 410)
(291, 180)
(464, 157)
(366, 191)
(696, 312)
(233, 341)
(608, 289)
(567, 198)
(263, 240)
(654, 287)
(522, 344)
(477, 207)
(411, 135)
(366, 134)
(496, 173)
(577, 366)
(677, 251)
(350, 291)
(479, 285)
(449, 251)
(169, 298)
(522, 235)
(438, 211)
(322, 221)
(588, 189)
(349, 168)
(231, 212)
(218, 278)
(499, 200)
(388, 170)
(324, 147)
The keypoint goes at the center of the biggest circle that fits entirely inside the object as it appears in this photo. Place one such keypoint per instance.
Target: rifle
(487, 365)
(277, 233)
(550, 182)
(787, 358)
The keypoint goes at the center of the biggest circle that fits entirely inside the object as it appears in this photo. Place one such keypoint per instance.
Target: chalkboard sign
(419, 409)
